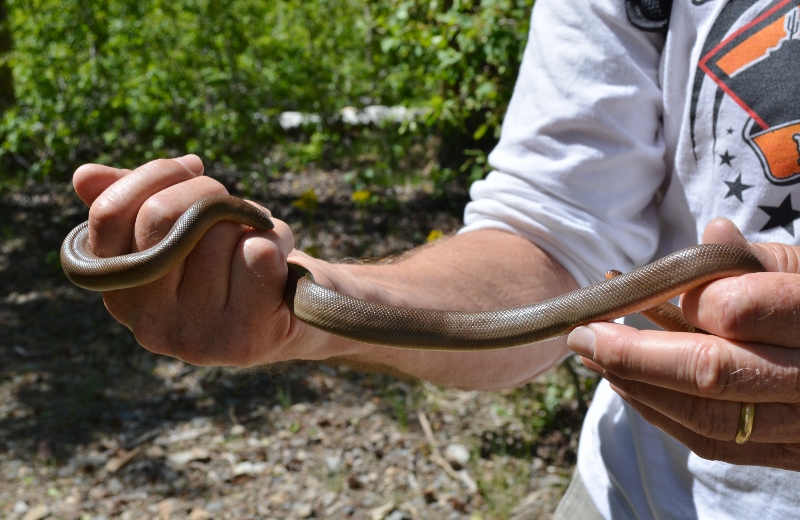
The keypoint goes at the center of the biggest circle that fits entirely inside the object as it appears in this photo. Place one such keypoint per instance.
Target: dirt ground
(93, 426)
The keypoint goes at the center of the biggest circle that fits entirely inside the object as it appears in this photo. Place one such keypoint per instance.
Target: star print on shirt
(730, 131)
(781, 216)
(726, 158)
(736, 188)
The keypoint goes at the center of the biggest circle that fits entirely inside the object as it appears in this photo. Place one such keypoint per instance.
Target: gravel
(93, 426)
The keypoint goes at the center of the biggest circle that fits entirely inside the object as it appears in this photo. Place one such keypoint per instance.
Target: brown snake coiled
(87, 270)
(403, 327)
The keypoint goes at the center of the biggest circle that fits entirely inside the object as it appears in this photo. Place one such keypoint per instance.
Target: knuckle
(160, 166)
(699, 416)
(709, 368)
(103, 212)
(711, 419)
(617, 356)
(154, 211)
(738, 310)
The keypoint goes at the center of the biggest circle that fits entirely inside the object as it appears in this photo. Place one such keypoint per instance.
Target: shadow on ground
(70, 373)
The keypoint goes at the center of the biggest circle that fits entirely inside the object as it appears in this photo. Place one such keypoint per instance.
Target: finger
(759, 308)
(157, 215)
(259, 274)
(114, 212)
(774, 256)
(90, 180)
(696, 364)
(209, 266)
(786, 456)
(715, 419)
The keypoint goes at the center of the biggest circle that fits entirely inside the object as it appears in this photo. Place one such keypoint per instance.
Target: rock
(216, 506)
(355, 482)
(182, 436)
(249, 469)
(381, 512)
(457, 455)
(334, 463)
(398, 514)
(181, 458)
(237, 430)
(169, 507)
(303, 510)
(37, 512)
(299, 408)
(199, 513)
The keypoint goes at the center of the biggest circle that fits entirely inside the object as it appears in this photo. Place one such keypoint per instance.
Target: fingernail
(581, 340)
(192, 163)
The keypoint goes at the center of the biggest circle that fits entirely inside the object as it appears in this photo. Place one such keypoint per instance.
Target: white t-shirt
(618, 147)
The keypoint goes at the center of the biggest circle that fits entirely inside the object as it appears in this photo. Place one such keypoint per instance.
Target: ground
(94, 426)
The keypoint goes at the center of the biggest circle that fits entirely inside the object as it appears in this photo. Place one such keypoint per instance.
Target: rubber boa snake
(429, 329)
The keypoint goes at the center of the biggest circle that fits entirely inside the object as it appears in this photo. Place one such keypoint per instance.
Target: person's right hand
(224, 304)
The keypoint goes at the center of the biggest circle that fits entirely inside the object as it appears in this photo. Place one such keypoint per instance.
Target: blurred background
(362, 123)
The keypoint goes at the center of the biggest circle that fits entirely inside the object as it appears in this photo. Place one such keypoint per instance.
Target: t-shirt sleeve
(581, 154)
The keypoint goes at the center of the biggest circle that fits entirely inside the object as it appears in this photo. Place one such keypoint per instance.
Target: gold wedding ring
(746, 419)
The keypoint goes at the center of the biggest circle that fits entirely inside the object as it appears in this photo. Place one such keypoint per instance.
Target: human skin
(224, 306)
(692, 386)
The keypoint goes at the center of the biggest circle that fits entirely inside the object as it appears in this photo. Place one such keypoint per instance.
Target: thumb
(776, 257)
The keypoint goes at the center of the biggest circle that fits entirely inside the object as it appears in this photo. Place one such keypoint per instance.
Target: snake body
(415, 328)
(87, 270)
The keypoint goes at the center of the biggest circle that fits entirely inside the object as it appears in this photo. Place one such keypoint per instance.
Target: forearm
(475, 271)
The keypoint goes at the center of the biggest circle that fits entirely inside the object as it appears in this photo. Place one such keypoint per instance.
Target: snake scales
(433, 329)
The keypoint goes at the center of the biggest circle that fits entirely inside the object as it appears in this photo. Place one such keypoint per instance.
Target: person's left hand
(692, 386)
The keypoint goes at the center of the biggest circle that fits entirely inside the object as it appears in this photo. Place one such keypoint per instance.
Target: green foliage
(123, 82)
(128, 80)
(465, 55)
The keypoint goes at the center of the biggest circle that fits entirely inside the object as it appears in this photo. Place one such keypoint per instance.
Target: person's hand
(692, 386)
(224, 304)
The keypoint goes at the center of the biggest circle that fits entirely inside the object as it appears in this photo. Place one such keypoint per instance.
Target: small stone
(457, 455)
(398, 514)
(237, 430)
(354, 482)
(334, 463)
(118, 462)
(303, 510)
(168, 507)
(199, 513)
(328, 498)
(299, 408)
(181, 458)
(381, 512)
(155, 452)
(216, 506)
(20, 507)
(249, 469)
(37, 513)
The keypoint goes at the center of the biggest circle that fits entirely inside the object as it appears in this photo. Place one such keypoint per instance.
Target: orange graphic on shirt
(757, 68)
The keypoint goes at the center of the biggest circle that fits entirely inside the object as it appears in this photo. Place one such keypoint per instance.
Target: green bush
(123, 82)
(465, 54)
(127, 81)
